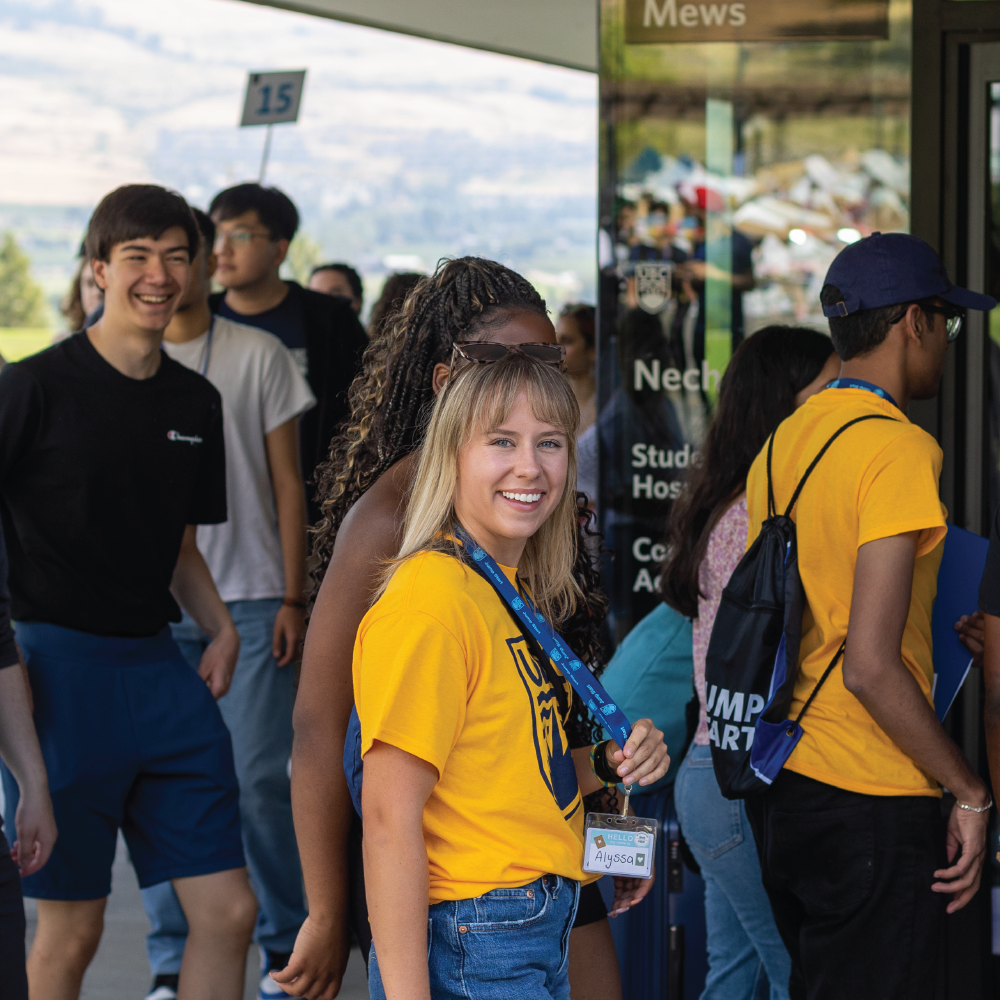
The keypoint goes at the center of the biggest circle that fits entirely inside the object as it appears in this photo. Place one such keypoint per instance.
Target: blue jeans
(258, 712)
(745, 951)
(504, 944)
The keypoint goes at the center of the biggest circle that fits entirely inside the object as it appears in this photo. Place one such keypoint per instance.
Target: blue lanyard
(858, 383)
(208, 349)
(586, 685)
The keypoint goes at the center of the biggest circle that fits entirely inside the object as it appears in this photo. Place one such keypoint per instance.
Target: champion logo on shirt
(175, 436)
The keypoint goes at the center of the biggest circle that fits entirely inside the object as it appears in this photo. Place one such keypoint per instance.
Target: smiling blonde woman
(472, 797)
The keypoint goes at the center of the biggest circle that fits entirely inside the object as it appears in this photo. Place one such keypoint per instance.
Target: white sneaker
(162, 993)
(270, 990)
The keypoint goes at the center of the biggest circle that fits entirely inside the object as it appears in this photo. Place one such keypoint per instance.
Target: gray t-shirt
(261, 389)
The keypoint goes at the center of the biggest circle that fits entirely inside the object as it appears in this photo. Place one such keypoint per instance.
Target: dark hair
(457, 302)
(863, 331)
(276, 211)
(137, 211)
(206, 227)
(757, 392)
(394, 292)
(353, 278)
(461, 300)
(72, 304)
(586, 320)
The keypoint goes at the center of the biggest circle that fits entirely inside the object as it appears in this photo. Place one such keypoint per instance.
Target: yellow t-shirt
(442, 672)
(878, 479)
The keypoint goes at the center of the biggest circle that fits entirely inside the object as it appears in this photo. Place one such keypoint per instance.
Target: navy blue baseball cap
(887, 269)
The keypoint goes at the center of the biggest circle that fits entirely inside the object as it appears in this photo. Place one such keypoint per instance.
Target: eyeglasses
(240, 238)
(952, 322)
(487, 352)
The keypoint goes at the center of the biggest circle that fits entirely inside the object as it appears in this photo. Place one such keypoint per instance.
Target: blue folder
(962, 566)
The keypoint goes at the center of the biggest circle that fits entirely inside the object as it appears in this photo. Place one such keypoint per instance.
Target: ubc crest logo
(609, 709)
(555, 761)
(653, 285)
(478, 554)
(517, 604)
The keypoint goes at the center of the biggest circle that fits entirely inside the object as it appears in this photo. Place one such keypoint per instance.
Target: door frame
(947, 186)
(944, 32)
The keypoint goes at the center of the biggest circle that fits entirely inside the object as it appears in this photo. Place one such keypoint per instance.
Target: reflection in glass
(731, 175)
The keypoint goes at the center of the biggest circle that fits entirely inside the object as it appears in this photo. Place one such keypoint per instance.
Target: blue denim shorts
(505, 944)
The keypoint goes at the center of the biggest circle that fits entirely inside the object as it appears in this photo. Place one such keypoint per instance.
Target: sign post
(272, 98)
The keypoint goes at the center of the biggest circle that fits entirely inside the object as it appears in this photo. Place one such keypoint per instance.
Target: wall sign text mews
(659, 21)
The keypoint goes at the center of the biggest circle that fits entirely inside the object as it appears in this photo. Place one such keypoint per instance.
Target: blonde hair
(478, 399)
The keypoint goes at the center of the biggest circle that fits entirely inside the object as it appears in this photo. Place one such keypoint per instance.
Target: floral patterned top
(726, 546)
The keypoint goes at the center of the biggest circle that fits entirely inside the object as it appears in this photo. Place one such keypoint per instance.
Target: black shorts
(592, 907)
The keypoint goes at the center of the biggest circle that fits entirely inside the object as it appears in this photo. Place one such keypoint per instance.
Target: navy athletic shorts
(132, 738)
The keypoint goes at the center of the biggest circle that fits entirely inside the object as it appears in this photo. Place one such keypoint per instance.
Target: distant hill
(404, 146)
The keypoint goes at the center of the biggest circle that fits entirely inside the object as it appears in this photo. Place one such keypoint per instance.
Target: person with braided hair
(363, 490)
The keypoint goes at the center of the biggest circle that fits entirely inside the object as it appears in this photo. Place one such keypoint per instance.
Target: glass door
(742, 147)
(984, 275)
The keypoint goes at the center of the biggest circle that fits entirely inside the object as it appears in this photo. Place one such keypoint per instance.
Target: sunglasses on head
(486, 352)
(953, 318)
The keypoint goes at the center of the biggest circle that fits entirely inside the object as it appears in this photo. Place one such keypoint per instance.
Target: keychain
(619, 844)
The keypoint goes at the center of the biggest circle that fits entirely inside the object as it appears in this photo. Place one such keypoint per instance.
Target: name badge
(619, 845)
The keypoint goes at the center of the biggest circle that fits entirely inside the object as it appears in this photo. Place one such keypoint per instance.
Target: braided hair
(392, 396)
(391, 399)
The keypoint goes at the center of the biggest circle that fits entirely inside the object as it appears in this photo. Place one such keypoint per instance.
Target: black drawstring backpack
(753, 653)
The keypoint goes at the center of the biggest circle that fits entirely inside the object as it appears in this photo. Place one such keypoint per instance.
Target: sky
(404, 147)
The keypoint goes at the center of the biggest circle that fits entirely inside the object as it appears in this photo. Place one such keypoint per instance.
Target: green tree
(303, 255)
(22, 302)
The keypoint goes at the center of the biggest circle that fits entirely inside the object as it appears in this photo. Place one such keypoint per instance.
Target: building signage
(659, 21)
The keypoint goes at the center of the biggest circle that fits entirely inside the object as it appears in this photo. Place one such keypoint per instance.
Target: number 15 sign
(273, 97)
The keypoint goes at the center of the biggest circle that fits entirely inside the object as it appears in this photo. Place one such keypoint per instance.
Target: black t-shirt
(284, 321)
(989, 588)
(99, 475)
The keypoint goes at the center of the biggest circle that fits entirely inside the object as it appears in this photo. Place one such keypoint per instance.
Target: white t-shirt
(261, 389)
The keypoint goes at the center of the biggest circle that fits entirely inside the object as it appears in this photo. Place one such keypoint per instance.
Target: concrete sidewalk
(120, 971)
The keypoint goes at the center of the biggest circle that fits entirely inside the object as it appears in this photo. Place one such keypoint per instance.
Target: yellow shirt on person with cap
(878, 479)
(442, 672)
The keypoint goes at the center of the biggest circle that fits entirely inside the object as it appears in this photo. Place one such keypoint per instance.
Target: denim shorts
(508, 944)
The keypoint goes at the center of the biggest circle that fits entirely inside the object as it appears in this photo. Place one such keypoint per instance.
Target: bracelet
(599, 764)
(290, 602)
(976, 809)
(593, 764)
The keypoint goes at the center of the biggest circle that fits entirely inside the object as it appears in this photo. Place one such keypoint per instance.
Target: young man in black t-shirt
(255, 226)
(110, 455)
